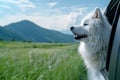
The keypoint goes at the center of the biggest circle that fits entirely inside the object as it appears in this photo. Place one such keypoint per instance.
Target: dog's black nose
(71, 28)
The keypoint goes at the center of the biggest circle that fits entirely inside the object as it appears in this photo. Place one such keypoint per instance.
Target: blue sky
(52, 14)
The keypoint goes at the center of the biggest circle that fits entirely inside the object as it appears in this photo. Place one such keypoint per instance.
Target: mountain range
(28, 31)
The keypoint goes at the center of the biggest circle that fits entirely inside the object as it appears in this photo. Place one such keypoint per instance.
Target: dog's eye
(85, 24)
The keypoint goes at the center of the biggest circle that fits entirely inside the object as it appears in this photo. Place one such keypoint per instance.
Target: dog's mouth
(78, 37)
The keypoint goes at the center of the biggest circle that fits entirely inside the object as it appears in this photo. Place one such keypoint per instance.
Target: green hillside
(45, 61)
(8, 35)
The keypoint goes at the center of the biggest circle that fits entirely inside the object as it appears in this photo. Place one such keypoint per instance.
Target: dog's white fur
(93, 48)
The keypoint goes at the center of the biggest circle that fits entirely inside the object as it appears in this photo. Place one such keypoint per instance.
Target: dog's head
(88, 26)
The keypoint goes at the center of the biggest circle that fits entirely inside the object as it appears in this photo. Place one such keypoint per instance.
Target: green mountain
(8, 35)
(32, 32)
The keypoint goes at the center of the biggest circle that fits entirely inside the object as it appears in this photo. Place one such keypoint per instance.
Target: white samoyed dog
(93, 33)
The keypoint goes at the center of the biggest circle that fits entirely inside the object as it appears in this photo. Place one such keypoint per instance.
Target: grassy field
(40, 61)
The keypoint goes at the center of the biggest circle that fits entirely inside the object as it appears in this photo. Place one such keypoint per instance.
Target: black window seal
(114, 24)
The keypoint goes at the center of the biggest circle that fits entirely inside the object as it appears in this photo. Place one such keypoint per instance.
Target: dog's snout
(71, 28)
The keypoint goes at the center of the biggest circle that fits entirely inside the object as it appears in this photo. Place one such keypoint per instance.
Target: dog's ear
(97, 14)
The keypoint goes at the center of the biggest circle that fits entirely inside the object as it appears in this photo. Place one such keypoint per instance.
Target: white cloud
(5, 6)
(21, 4)
(52, 4)
(74, 18)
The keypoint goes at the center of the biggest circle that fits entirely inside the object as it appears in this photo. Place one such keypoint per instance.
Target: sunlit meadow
(40, 61)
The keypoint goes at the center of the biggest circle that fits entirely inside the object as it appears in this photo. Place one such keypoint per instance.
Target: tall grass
(45, 61)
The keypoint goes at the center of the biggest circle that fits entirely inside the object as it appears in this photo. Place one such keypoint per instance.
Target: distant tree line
(1, 40)
(14, 40)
